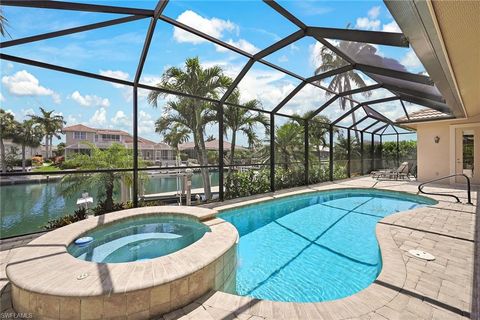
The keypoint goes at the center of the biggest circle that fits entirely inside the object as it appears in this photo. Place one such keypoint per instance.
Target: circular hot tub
(137, 263)
(136, 239)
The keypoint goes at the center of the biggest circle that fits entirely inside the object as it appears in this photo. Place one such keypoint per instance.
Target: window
(110, 137)
(80, 135)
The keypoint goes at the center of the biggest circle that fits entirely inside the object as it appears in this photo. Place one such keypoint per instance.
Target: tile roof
(78, 127)
(424, 114)
(81, 127)
(209, 145)
(128, 139)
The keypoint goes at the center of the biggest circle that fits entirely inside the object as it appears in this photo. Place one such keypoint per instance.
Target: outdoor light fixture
(437, 139)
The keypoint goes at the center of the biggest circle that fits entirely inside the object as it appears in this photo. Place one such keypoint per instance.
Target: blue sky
(114, 51)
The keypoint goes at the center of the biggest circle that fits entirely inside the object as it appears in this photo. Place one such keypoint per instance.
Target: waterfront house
(78, 136)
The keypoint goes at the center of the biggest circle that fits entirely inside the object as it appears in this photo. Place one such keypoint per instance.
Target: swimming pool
(313, 247)
(138, 239)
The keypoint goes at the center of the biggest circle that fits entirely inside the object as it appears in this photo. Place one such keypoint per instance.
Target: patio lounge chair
(400, 172)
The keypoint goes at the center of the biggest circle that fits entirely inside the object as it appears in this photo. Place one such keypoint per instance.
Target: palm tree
(288, 138)
(28, 134)
(343, 81)
(342, 146)
(193, 114)
(7, 131)
(3, 24)
(116, 156)
(176, 135)
(51, 125)
(242, 120)
(317, 132)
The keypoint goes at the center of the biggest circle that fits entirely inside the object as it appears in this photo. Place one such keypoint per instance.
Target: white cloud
(391, 27)
(309, 98)
(371, 22)
(367, 24)
(56, 98)
(410, 60)
(121, 119)
(89, 100)
(374, 12)
(23, 83)
(241, 44)
(214, 27)
(151, 80)
(10, 111)
(72, 119)
(146, 124)
(267, 86)
(99, 118)
(117, 74)
(2, 98)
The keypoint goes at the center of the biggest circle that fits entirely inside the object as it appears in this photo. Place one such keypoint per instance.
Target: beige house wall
(436, 160)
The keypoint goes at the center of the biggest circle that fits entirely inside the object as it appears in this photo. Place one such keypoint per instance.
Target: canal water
(26, 208)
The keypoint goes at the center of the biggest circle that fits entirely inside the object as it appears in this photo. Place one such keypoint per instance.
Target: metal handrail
(420, 187)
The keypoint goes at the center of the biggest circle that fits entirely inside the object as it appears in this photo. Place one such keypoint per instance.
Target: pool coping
(384, 289)
(44, 265)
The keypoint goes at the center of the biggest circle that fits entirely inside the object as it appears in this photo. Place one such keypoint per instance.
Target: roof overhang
(417, 20)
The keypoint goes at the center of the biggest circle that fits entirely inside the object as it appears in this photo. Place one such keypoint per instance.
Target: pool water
(139, 239)
(315, 247)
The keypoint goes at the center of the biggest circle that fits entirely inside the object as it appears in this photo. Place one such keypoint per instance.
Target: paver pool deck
(407, 288)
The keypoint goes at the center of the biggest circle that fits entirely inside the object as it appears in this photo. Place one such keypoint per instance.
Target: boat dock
(170, 195)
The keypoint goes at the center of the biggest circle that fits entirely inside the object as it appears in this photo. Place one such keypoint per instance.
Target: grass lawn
(46, 168)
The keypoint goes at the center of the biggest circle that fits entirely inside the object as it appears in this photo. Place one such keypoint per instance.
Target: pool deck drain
(408, 288)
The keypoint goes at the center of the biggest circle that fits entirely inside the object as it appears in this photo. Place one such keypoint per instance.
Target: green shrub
(318, 173)
(294, 176)
(247, 183)
(79, 214)
(18, 162)
(339, 171)
(101, 209)
(67, 165)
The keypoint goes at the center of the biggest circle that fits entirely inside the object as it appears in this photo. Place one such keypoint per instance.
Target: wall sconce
(437, 139)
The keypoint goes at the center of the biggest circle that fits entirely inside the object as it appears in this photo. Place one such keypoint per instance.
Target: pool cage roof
(354, 47)
(387, 74)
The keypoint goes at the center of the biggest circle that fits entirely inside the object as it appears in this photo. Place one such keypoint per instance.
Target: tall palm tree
(51, 125)
(8, 127)
(343, 81)
(28, 134)
(191, 113)
(242, 120)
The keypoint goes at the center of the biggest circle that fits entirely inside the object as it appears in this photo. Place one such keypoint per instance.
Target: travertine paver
(408, 288)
